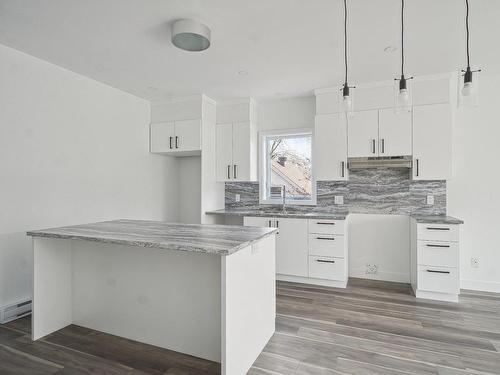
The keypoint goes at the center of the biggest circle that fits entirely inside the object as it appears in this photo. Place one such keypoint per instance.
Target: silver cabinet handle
(277, 224)
(373, 145)
(429, 245)
(228, 172)
(325, 238)
(170, 142)
(436, 271)
(342, 166)
(176, 142)
(325, 261)
(437, 228)
(269, 223)
(320, 223)
(416, 160)
(383, 145)
(234, 171)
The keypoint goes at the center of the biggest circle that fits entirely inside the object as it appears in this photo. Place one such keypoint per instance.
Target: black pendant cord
(467, 31)
(345, 40)
(402, 38)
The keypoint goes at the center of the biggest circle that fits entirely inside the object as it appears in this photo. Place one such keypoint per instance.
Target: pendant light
(402, 88)
(347, 100)
(468, 92)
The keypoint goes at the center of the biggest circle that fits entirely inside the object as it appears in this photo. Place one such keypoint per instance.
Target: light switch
(430, 200)
(237, 197)
(339, 199)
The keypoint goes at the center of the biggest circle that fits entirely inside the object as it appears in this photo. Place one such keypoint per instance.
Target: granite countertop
(297, 214)
(437, 219)
(210, 239)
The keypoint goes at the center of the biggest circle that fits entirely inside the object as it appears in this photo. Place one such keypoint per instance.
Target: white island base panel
(220, 308)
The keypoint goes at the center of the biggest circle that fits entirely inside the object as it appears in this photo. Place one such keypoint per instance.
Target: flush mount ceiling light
(468, 93)
(402, 89)
(347, 101)
(190, 35)
(390, 49)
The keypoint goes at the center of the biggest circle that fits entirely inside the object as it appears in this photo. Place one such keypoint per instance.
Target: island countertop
(209, 239)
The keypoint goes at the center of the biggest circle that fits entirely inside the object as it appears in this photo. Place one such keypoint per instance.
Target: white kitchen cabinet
(330, 147)
(291, 243)
(432, 142)
(178, 138)
(363, 134)
(236, 145)
(435, 261)
(394, 133)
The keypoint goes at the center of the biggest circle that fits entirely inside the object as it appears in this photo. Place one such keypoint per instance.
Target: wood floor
(367, 328)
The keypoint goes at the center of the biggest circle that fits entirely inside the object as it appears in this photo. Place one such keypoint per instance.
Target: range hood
(380, 162)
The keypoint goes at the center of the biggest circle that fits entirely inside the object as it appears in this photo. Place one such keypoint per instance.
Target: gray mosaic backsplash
(377, 191)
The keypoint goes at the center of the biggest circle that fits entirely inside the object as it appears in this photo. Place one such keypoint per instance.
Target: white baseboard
(483, 286)
(312, 281)
(384, 276)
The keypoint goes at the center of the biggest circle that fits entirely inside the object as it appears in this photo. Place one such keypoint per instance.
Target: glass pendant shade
(468, 89)
(403, 95)
(346, 100)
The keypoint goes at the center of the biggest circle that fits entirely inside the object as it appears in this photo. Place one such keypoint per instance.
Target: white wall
(289, 113)
(72, 150)
(381, 240)
(474, 191)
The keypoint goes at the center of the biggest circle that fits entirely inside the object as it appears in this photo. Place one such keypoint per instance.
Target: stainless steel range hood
(380, 162)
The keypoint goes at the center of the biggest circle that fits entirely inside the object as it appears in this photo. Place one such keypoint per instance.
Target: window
(287, 162)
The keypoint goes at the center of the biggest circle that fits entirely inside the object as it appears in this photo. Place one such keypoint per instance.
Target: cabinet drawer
(437, 232)
(326, 226)
(443, 254)
(327, 268)
(326, 245)
(438, 279)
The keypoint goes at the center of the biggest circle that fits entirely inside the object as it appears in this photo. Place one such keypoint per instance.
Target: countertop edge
(156, 245)
(324, 216)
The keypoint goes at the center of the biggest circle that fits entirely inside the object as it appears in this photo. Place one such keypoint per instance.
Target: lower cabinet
(309, 251)
(435, 261)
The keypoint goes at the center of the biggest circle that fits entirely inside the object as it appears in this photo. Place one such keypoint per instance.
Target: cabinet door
(291, 247)
(432, 137)
(162, 137)
(188, 135)
(363, 134)
(224, 154)
(241, 151)
(394, 133)
(330, 147)
(249, 221)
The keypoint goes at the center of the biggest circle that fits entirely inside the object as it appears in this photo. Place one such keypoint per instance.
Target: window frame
(263, 167)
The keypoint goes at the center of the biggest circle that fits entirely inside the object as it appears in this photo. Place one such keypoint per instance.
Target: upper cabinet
(330, 147)
(432, 142)
(379, 133)
(236, 155)
(178, 138)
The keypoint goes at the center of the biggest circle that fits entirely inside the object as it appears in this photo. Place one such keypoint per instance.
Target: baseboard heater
(15, 311)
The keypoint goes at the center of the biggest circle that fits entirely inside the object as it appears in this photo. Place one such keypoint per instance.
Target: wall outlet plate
(339, 199)
(371, 269)
(474, 262)
(430, 200)
(237, 197)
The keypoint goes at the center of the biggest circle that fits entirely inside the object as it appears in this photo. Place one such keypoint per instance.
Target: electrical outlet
(371, 269)
(474, 262)
(430, 200)
(237, 197)
(339, 199)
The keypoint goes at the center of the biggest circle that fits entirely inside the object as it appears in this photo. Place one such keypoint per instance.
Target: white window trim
(263, 135)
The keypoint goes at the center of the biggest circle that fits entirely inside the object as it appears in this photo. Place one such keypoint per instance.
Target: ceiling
(285, 47)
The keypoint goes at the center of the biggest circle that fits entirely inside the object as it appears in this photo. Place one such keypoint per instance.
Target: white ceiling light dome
(190, 35)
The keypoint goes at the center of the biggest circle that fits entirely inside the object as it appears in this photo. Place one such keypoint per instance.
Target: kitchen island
(203, 290)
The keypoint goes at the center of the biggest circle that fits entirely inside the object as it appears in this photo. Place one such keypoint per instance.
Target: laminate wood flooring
(371, 327)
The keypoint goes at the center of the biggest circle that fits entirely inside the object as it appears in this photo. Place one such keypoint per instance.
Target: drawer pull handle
(325, 261)
(319, 223)
(429, 245)
(435, 271)
(325, 238)
(437, 228)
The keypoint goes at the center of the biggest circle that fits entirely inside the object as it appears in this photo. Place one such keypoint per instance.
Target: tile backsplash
(377, 191)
